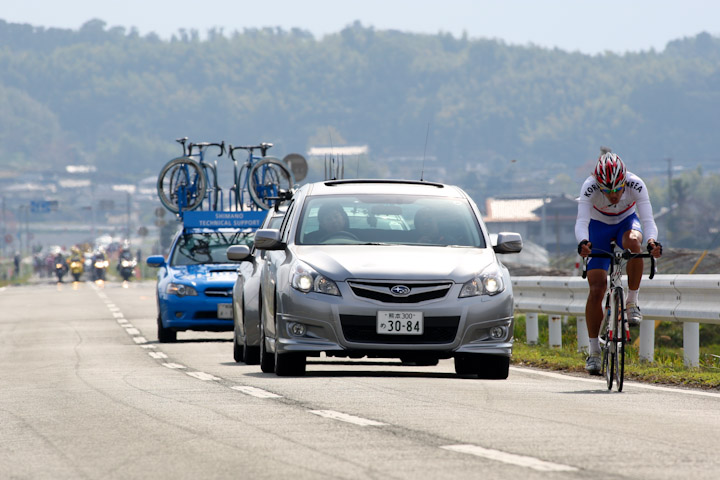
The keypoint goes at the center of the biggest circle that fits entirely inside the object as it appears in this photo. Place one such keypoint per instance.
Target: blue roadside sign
(40, 206)
(213, 219)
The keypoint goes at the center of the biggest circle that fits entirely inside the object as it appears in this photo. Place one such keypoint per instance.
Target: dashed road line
(511, 458)
(344, 417)
(174, 366)
(203, 376)
(255, 392)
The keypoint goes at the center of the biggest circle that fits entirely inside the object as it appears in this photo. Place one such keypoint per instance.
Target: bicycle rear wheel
(265, 179)
(619, 322)
(181, 185)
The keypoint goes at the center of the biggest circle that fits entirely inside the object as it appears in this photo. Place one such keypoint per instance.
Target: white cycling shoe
(593, 364)
(633, 314)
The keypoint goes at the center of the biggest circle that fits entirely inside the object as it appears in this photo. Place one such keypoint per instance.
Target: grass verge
(668, 368)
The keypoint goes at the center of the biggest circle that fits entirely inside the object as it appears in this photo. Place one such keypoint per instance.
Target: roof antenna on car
(422, 171)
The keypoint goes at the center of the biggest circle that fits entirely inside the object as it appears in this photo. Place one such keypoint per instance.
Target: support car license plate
(400, 323)
(224, 310)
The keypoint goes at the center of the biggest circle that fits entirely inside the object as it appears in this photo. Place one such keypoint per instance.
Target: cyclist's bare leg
(597, 281)
(632, 240)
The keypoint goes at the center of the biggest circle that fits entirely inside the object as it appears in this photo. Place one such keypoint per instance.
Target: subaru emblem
(400, 290)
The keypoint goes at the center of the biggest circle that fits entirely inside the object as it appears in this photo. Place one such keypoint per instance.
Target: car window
(284, 226)
(211, 247)
(394, 219)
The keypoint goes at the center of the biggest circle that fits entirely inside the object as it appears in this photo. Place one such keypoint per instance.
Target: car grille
(219, 292)
(362, 329)
(419, 292)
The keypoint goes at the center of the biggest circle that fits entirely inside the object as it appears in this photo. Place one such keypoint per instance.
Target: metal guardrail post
(555, 331)
(583, 341)
(531, 328)
(691, 344)
(647, 341)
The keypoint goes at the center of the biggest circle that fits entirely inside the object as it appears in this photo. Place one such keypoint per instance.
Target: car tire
(251, 355)
(289, 364)
(466, 364)
(165, 335)
(238, 349)
(493, 367)
(267, 359)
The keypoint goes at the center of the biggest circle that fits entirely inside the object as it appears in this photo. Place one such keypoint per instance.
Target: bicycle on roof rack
(259, 181)
(615, 329)
(184, 182)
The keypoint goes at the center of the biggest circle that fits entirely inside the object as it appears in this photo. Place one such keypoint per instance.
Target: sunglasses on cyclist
(608, 191)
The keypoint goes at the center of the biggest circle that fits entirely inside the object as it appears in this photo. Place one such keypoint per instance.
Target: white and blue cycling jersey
(599, 221)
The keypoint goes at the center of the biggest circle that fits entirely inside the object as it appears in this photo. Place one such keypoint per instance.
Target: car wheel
(251, 355)
(238, 348)
(165, 335)
(267, 360)
(289, 364)
(466, 364)
(493, 367)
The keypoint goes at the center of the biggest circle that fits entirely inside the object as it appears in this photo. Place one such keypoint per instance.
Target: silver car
(388, 269)
(246, 298)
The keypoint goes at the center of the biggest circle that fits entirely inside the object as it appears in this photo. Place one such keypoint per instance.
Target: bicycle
(184, 182)
(615, 329)
(261, 178)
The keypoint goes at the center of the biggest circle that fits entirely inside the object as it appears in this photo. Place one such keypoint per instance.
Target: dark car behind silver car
(385, 268)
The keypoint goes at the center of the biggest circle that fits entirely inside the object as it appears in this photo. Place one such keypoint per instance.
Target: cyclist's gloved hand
(652, 245)
(581, 245)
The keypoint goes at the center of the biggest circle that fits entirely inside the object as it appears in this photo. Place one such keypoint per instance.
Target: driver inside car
(332, 219)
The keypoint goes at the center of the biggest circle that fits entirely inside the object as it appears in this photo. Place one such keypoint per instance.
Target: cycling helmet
(610, 171)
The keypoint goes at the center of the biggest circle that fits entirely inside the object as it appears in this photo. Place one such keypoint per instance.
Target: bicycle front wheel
(181, 185)
(620, 327)
(265, 180)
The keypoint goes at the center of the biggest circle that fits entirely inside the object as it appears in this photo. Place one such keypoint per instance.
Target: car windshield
(197, 248)
(388, 219)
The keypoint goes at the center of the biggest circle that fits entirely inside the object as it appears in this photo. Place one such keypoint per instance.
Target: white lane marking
(511, 458)
(256, 392)
(139, 339)
(203, 376)
(157, 355)
(344, 417)
(173, 365)
(118, 314)
(132, 330)
(122, 321)
(3, 289)
(560, 376)
(149, 346)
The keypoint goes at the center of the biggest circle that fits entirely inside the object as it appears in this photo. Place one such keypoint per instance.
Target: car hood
(397, 261)
(215, 274)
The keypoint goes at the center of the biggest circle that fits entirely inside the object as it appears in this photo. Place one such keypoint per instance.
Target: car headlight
(306, 279)
(488, 283)
(180, 290)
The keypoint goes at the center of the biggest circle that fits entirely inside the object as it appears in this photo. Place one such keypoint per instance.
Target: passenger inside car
(332, 219)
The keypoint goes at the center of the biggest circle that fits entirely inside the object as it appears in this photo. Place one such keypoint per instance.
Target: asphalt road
(87, 392)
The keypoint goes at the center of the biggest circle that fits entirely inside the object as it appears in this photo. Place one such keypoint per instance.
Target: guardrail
(689, 299)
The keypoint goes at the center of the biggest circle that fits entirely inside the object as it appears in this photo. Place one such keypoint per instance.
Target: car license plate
(225, 310)
(400, 323)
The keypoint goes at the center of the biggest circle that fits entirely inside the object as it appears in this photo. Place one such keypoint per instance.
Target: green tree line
(501, 118)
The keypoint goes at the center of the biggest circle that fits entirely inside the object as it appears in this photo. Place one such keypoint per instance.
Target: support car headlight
(487, 283)
(180, 290)
(306, 279)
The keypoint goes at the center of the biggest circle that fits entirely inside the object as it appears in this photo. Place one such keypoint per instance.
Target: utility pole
(669, 160)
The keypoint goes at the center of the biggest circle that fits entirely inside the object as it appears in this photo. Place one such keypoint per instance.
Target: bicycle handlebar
(626, 255)
(264, 147)
(202, 145)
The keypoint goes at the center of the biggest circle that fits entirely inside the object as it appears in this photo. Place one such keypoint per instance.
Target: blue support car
(195, 282)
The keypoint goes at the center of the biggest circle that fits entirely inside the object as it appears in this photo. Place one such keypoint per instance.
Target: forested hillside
(518, 116)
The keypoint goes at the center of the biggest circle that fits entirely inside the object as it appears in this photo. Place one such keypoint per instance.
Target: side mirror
(238, 253)
(268, 239)
(156, 261)
(508, 242)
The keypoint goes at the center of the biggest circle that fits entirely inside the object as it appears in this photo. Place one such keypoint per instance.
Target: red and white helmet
(610, 171)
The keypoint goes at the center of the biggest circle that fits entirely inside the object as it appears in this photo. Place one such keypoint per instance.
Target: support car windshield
(209, 247)
(388, 219)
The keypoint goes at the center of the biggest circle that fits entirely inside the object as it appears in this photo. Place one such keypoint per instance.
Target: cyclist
(609, 200)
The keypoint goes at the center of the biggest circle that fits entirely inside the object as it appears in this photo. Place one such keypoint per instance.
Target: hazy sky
(589, 26)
